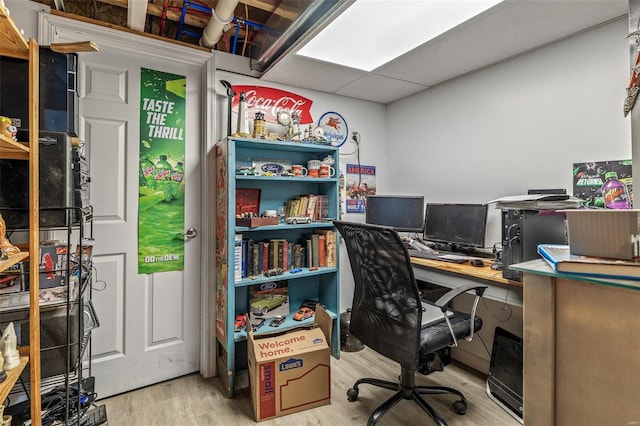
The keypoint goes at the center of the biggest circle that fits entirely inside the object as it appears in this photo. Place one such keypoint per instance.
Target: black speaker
(58, 98)
(58, 344)
(523, 230)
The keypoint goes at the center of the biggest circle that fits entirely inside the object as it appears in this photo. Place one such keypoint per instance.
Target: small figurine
(259, 126)
(9, 348)
(296, 133)
(329, 160)
(284, 119)
(8, 249)
(242, 130)
(7, 128)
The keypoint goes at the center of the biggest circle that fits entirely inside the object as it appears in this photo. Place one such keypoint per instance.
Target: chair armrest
(446, 298)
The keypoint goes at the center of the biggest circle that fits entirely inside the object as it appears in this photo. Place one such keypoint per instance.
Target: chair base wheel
(352, 394)
(460, 407)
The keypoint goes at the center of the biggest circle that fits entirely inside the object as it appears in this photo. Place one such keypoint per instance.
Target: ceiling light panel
(371, 33)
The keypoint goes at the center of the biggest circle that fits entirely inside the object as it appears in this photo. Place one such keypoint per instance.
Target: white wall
(513, 126)
(25, 16)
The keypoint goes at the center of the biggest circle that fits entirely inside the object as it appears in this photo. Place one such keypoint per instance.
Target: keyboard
(447, 257)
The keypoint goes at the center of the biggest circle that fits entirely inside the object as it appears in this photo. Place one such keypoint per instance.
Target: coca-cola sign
(270, 101)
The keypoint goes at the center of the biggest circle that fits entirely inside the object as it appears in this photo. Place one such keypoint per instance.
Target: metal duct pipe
(291, 23)
(221, 16)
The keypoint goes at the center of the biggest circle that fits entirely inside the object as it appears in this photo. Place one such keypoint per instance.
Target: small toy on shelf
(294, 220)
(255, 323)
(6, 247)
(277, 320)
(8, 129)
(241, 321)
(9, 348)
(303, 313)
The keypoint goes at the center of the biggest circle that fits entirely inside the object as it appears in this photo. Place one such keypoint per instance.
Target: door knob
(190, 234)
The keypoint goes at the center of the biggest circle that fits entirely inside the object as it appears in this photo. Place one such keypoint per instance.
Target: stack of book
(315, 206)
(560, 258)
(317, 249)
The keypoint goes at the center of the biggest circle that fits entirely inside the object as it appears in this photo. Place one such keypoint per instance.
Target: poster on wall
(270, 101)
(360, 182)
(161, 172)
(603, 184)
(222, 238)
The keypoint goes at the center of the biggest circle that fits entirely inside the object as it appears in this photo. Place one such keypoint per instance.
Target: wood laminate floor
(193, 400)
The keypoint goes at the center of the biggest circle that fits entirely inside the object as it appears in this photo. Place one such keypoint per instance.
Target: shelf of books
(276, 246)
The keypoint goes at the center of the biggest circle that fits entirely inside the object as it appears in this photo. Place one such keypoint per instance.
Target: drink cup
(313, 167)
(299, 170)
(326, 171)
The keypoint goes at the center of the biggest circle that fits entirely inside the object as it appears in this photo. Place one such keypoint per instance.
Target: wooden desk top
(484, 273)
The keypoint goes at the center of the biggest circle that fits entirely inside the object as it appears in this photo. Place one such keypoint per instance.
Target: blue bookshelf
(317, 283)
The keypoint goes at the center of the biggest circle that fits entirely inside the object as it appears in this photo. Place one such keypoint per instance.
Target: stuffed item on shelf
(5, 245)
(8, 129)
(9, 348)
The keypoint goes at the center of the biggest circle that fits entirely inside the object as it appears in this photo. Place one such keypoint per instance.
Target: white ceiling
(509, 29)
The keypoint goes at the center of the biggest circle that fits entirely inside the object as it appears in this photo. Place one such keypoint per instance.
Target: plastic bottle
(147, 172)
(177, 175)
(615, 192)
(163, 177)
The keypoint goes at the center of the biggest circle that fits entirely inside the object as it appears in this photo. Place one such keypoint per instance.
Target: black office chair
(387, 317)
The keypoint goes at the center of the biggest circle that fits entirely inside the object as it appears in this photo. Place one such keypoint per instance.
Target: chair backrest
(386, 312)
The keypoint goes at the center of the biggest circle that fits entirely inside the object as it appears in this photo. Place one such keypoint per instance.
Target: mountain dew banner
(161, 179)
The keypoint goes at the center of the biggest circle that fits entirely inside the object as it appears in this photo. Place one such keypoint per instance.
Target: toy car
(272, 272)
(267, 302)
(311, 304)
(256, 323)
(247, 171)
(241, 320)
(303, 313)
(277, 320)
(297, 219)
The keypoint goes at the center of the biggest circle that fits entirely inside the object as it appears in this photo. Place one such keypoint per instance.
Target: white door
(149, 324)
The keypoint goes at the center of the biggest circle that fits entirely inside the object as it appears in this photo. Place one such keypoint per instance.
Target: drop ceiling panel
(507, 30)
(381, 89)
(503, 32)
(299, 71)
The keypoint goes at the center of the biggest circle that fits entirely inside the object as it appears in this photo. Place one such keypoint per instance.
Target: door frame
(54, 28)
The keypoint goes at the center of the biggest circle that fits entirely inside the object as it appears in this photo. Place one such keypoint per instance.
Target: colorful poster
(222, 238)
(161, 173)
(360, 182)
(270, 101)
(604, 184)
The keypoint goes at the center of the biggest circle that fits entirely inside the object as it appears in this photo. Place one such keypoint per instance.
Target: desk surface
(482, 273)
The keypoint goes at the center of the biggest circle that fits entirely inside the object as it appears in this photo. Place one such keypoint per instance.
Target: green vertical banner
(161, 173)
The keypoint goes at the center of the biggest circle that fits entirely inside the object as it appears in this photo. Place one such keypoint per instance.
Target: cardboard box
(290, 372)
(604, 233)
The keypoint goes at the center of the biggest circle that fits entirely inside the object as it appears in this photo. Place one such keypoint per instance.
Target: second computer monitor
(405, 213)
(456, 227)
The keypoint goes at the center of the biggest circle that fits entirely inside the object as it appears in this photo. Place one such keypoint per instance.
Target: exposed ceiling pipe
(292, 22)
(136, 14)
(221, 16)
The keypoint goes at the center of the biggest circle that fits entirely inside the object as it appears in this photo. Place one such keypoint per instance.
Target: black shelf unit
(66, 324)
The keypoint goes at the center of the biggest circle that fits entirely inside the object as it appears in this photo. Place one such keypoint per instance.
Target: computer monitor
(405, 213)
(457, 227)
(505, 381)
